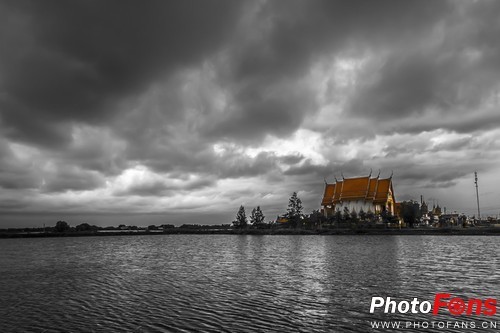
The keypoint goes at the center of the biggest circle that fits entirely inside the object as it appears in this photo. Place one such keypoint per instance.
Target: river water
(237, 283)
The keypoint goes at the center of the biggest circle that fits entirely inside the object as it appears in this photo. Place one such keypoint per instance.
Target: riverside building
(360, 193)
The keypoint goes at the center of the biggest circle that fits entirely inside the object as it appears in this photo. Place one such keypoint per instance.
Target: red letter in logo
(438, 303)
(456, 306)
(491, 305)
(470, 306)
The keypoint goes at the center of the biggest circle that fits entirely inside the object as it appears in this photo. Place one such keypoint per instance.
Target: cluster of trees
(295, 218)
(256, 218)
(353, 219)
(293, 215)
(294, 211)
(410, 212)
(63, 226)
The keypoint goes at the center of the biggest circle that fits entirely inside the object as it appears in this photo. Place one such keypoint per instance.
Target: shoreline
(473, 231)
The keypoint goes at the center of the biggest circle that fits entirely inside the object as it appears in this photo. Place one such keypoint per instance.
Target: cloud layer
(187, 109)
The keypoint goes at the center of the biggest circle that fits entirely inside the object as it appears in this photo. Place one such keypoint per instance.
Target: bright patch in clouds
(303, 142)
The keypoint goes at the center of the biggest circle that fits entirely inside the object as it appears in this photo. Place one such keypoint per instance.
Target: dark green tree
(385, 216)
(61, 226)
(316, 219)
(337, 217)
(294, 211)
(257, 217)
(362, 215)
(241, 219)
(370, 214)
(83, 227)
(86, 227)
(371, 218)
(354, 216)
(410, 212)
(388, 218)
(346, 215)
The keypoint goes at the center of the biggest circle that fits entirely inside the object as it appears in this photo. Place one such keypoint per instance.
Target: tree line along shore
(228, 230)
(293, 222)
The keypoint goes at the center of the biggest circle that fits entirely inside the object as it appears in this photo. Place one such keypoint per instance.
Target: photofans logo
(443, 303)
(455, 306)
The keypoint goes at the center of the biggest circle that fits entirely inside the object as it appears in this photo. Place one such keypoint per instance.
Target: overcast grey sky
(144, 112)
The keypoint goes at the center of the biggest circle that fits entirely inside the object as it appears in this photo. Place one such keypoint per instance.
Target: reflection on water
(231, 283)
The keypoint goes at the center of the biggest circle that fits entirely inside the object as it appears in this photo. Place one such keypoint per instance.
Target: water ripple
(231, 283)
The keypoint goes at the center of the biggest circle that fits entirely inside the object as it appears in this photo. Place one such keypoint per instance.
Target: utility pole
(477, 196)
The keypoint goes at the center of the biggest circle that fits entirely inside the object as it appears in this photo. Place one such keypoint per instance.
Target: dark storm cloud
(461, 121)
(451, 145)
(18, 179)
(318, 173)
(309, 168)
(23, 124)
(351, 168)
(299, 31)
(448, 73)
(73, 60)
(187, 92)
(404, 85)
(14, 174)
(259, 112)
(473, 121)
(147, 189)
(64, 178)
(93, 149)
(288, 37)
(235, 166)
(12, 204)
(410, 84)
(291, 159)
(436, 174)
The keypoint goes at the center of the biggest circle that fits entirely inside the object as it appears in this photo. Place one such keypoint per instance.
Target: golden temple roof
(359, 188)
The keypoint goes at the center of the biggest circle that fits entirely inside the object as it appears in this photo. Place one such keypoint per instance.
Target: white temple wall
(357, 206)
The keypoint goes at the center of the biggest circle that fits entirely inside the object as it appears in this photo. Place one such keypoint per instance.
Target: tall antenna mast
(477, 196)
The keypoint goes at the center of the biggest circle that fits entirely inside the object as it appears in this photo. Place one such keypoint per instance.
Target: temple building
(436, 210)
(361, 193)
